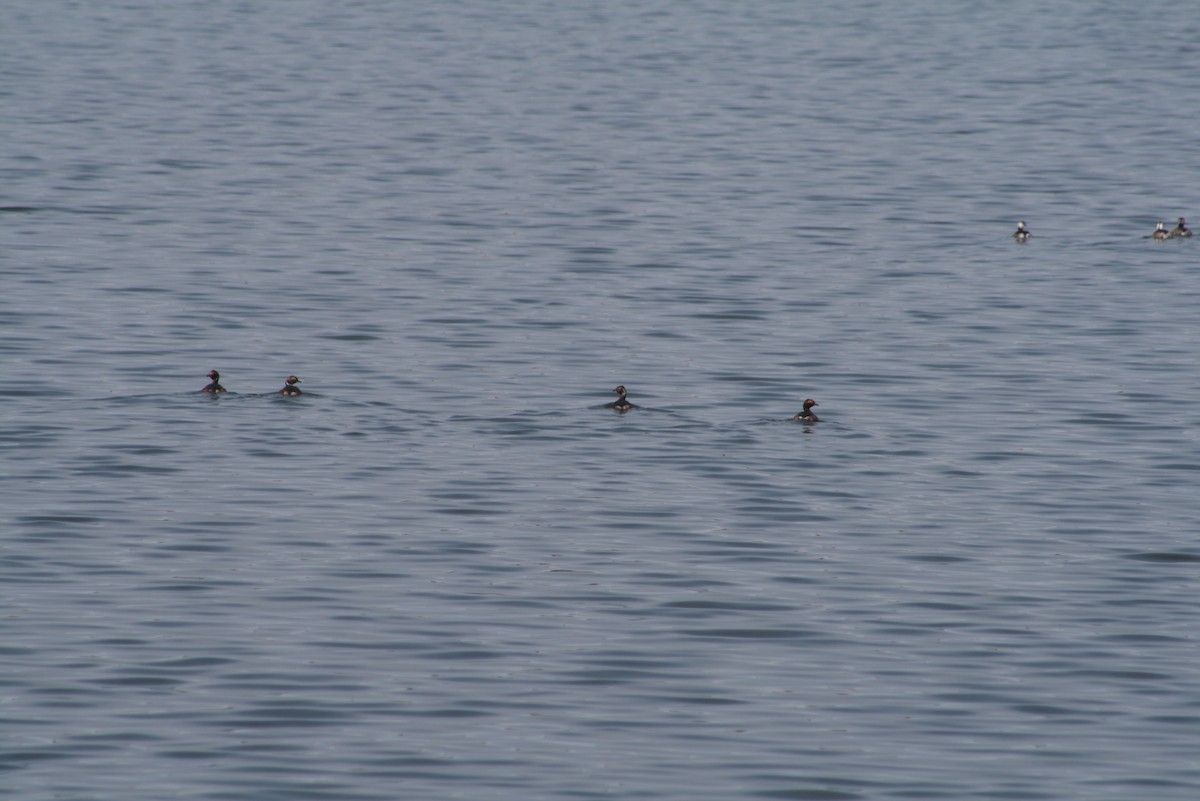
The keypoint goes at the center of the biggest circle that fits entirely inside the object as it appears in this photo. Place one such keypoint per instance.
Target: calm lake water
(447, 571)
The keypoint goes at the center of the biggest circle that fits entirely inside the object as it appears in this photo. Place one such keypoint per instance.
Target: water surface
(447, 571)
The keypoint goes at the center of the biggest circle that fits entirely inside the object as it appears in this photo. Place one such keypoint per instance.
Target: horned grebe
(807, 415)
(622, 403)
(215, 386)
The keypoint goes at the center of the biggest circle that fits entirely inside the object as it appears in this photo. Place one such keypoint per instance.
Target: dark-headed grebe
(1181, 229)
(1022, 233)
(622, 403)
(807, 415)
(290, 387)
(1160, 232)
(215, 386)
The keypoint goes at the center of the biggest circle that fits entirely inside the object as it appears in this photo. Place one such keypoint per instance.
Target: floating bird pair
(289, 388)
(1022, 233)
(623, 404)
(1180, 229)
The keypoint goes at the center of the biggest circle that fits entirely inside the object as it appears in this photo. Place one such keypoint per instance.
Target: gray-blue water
(447, 571)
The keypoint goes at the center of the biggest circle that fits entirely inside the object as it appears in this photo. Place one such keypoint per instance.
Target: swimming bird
(622, 403)
(215, 386)
(1160, 232)
(1180, 230)
(807, 416)
(1022, 233)
(290, 387)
